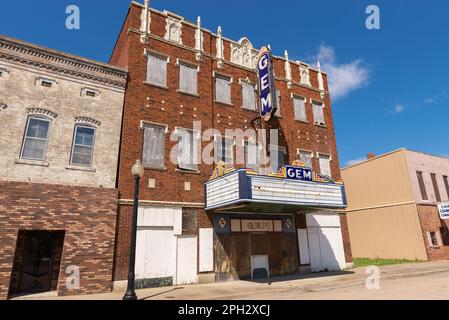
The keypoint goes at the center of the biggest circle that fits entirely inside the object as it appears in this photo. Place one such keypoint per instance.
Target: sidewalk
(276, 288)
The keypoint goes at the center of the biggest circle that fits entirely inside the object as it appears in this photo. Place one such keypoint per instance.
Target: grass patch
(362, 262)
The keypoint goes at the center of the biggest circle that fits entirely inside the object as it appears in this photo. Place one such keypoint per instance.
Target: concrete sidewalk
(316, 286)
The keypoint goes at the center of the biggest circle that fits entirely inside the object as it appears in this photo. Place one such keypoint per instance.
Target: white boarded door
(154, 254)
(325, 242)
(186, 265)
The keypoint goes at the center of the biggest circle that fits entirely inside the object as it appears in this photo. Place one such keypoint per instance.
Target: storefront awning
(240, 191)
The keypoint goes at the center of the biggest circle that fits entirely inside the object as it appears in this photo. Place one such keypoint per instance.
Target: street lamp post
(137, 172)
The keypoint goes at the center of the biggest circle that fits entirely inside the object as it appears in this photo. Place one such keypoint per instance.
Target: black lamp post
(137, 172)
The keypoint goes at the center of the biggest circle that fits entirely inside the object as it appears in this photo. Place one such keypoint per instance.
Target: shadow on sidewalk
(300, 276)
(161, 293)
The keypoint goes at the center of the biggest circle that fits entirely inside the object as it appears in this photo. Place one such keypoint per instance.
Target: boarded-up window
(223, 89)
(306, 157)
(157, 70)
(278, 102)
(153, 146)
(188, 78)
(435, 187)
(300, 109)
(224, 150)
(189, 221)
(422, 186)
(251, 156)
(187, 149)
(325, 165)
(278, 157)
(318, 113)
(446, 184)
(249, 96)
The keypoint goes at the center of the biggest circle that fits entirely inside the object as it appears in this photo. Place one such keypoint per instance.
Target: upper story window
(153, 146)
(446, 184)
(300, 108)
(251, 159)
(188, 149)
(224, 150)
(248, 96)
(45, 82)
(89, 92)
(278, 102)
(435, 187)
(188, 78)
(157, 69)
(278, 157)
(223, 89)
(325, 164)
(422, 186)
(83, 145)
(318, 113)
(35, 141)
(306, 157)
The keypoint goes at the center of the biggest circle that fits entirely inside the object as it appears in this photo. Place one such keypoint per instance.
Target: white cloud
(343, 78)
(399, 108)
(355, 161)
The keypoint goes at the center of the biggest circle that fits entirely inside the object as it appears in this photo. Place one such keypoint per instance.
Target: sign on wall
(443, 209)
(257, 225)
(297, 173)
(267, 89)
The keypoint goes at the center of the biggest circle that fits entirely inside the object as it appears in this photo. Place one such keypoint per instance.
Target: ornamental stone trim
(42, 111)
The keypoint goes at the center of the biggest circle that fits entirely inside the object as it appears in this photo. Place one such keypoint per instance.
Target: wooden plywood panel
(275, 254)
(206, 250)
(290, 254)
(241, 257)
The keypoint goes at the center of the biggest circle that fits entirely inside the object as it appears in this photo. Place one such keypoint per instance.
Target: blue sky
(390, 86)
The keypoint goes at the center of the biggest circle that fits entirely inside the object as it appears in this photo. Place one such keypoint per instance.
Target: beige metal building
(392, 206)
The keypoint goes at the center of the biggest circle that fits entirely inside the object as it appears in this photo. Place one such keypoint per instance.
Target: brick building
(60, 119)
(393, 206)
(181, 73)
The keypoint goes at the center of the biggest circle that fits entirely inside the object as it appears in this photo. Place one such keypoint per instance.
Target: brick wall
(431, 222)
(88, 216)
(175, 109)
(345, 236)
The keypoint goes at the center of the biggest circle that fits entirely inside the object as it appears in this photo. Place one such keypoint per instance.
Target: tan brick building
(60, 119)
(179, 73)
(392, 206)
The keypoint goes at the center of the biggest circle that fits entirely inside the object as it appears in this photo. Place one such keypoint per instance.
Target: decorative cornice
(42, 111)
(59, 62)
(88, 120)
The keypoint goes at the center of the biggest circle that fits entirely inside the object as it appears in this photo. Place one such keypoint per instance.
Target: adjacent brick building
(60, 119)
(179, 73)
(392, 206)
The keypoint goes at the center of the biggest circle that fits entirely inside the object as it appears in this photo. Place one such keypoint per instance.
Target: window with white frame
(433, 239)
(251, 155)
(318, 113)
(248, 96)
(153, 146)
(223, 89)
(306, 157)
(299, 105)
(188, 148)
(224, 149)
(35, 140)
(325, 164)
(188, 78)
(157, 69)
(83, 145)
(278, 157)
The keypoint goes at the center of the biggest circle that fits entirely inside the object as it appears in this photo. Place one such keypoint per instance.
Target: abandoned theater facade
(200, 221)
